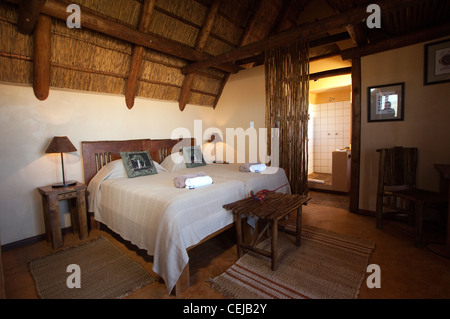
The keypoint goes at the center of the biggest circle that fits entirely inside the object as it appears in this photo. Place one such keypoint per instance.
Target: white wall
(426, 124)
(27, 126)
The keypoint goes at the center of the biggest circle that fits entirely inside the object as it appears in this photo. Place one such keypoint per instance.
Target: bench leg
(298, 237)
(274, 244)
(418, 223)
(238, 222)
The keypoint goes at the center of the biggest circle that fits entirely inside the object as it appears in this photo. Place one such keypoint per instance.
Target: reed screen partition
(287, 91)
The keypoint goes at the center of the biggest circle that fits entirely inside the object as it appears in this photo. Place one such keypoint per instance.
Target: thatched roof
(184, 50)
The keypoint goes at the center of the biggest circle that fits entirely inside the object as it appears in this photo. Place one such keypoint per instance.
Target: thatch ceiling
(184, 50)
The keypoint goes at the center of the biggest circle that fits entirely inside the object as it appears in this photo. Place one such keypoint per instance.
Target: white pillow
(159, 168)
(116, 169)
(173, 162)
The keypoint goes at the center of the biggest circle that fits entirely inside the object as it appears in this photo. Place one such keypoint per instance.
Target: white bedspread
(271, 178)
(153, 214)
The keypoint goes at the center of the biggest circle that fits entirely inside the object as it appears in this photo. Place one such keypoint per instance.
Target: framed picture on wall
(437, 62)
(386, 102)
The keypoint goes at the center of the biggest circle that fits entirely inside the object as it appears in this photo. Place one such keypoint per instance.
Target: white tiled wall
(329, 129)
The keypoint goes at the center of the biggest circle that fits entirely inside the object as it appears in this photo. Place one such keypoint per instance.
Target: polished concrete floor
(406, 271)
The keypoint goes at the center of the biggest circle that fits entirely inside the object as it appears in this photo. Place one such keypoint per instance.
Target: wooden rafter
(397, 42)
(244, 39)
(356, 31)
(351, 16)
(42, 55)
(29, 11)
(95, 22)
(138, 53)
(199, 46)
(259, 59)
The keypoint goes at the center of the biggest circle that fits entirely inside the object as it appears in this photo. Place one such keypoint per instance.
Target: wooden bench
(271, 209)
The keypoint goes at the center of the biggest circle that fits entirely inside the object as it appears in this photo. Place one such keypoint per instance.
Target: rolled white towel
(256, 168)
(199, 181)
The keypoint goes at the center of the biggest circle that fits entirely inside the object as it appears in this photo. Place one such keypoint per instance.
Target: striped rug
(328, 265)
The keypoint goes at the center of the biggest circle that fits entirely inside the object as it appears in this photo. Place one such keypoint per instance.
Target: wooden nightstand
(50, 200)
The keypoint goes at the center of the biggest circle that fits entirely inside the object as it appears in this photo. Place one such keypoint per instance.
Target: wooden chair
(397, 189)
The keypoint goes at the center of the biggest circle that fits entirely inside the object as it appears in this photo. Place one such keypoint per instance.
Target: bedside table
(50, 200)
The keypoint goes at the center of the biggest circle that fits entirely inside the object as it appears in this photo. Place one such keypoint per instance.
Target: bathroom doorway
(329, 145)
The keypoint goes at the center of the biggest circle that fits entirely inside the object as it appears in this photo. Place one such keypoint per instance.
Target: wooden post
(55, 222)
(274, 247)
(183, 281)
(199, 47)
(298, 235)
(2, 285)
(28, 14)
(42, 55)
(380, 190)
(356, 135)
(81, 214)
(138, 54)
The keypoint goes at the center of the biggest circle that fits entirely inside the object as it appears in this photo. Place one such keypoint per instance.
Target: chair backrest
(398, 166)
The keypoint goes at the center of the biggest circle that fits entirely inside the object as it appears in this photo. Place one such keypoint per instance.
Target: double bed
(153, 214)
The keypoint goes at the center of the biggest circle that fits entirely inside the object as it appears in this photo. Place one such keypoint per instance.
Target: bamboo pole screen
(287, 87)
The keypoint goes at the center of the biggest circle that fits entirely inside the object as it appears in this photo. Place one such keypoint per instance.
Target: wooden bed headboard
(97, 154)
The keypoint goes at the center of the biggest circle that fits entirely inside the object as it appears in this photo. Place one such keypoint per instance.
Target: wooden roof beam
(95, 22)
(199, 47)
(259, 59)
(138, 52)
(356, 31)
(41, 57)
(28, 14)
(351, 16)
(244, 39)
(397, 42)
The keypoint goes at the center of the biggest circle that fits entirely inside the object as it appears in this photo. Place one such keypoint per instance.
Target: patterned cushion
(193, 156)
(138, 163)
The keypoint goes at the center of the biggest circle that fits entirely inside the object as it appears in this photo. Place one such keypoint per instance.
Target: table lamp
(215, 138)
(61, 144)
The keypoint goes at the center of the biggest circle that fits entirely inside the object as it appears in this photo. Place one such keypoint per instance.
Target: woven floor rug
(326, 266)
(105, 272)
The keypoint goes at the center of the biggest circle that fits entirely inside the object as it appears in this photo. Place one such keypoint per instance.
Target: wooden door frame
(356, 135)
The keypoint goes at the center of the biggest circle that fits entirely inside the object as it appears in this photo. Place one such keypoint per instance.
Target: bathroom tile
(347, 119)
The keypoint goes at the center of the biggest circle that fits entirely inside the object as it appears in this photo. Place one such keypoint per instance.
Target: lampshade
(215, 137)
(60, 144)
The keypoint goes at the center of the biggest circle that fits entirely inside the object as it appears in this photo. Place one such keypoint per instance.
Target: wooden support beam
(397, 42)
(92, 21)
(199, 47)
(42, 55)
(259, 59)
(351, 16)
(244, 39)
(138, 53)
(356, 32)
(356, 135)
(28, 14)
(328, 73)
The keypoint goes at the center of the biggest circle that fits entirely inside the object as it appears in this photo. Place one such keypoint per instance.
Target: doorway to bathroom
(329, 134)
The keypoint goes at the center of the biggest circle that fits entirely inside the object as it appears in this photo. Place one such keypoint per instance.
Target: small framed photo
(437, 62)
(386, 102)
